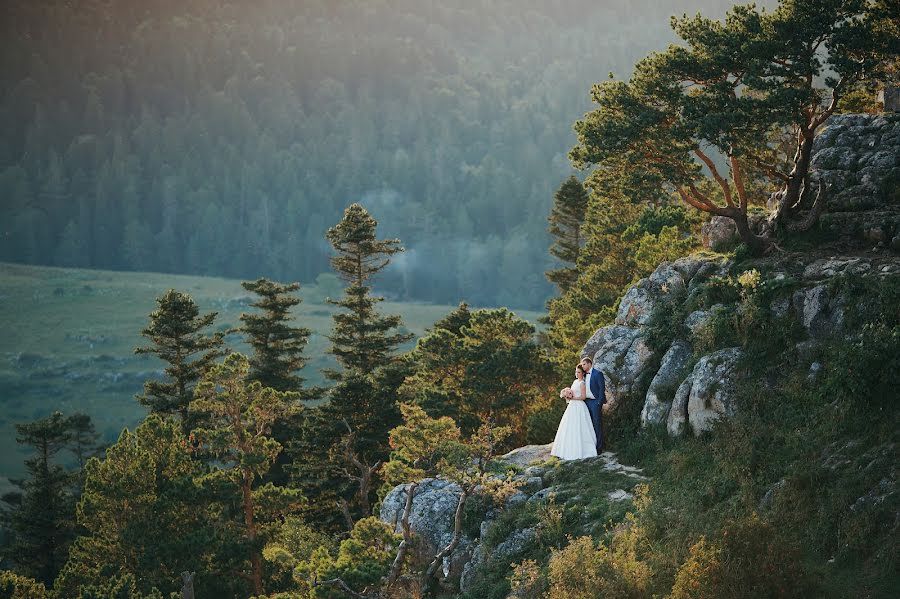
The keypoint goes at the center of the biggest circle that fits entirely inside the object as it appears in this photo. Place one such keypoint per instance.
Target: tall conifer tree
(241, 414)
(176, 331)
(42, 524)
(343, 441)
(361, 338)
(277, 346)
(566, 217)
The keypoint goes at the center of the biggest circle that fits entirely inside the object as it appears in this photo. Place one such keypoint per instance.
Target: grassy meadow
(67, 339)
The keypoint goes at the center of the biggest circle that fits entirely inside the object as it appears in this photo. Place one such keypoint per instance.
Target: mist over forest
(224, 138)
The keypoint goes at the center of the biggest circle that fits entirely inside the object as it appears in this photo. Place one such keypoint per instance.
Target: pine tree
(360, 338)
(277, 346)
(42, 523)
(145, 516)
(176, 332)
(241, 415)
(342, 442)
(569, 208)
(277, 354)
(83, 437)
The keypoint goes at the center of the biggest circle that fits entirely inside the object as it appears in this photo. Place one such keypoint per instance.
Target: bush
(583, 570)
(14, 586)
(527, 581)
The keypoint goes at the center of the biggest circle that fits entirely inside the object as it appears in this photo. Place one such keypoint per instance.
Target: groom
(595, 385)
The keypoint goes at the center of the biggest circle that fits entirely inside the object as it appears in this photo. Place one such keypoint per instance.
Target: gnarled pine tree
(727, 91)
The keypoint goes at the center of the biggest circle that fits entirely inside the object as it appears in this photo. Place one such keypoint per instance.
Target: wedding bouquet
(566, 393)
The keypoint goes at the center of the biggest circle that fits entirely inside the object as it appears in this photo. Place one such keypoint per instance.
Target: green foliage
(624, 241)
(583, 570)
(277, 346)
(340, 443)
(361, 561)
(118, 587)
(15, 586)
(360, 338)
(140, 517)
(240, 415)
(731, 87)
(42, 522)
(294, 542)
(748, 560)
(176, 332)
(570, 204)
(486, 367)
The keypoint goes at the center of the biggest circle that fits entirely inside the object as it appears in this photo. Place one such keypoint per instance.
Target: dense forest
(216, 137)
(746, 335)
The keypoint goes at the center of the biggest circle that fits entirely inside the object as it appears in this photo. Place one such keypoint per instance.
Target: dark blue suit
(595, 406)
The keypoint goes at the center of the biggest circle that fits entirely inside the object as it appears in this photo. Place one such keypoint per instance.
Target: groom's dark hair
(588, 358)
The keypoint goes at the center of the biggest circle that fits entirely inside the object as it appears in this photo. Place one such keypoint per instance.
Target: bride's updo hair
(581, 368)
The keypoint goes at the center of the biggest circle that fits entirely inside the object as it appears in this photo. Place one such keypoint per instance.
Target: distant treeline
(213, 137)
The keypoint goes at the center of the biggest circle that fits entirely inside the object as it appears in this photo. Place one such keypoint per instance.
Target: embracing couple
(580, 432)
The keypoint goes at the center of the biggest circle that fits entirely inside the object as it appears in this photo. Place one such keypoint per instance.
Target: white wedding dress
(575, 437)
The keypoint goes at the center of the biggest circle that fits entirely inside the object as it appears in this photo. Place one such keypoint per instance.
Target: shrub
(583, 570)
(14, 586)
(700, 576)
(527, 581)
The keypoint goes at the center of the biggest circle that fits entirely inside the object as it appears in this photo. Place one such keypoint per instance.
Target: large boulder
(706, 394)
(524, 456)
(672, 371)
(431, 519)
(718, 233)
(621, 354)
(820, 314)
(712, 389)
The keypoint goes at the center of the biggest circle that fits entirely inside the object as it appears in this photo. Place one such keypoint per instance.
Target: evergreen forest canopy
(223, 138)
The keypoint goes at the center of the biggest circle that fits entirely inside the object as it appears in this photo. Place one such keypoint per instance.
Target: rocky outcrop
(620, 351)
(672, 371)
(858, 157)
(435, 501)
(431, 518)
(677, 398)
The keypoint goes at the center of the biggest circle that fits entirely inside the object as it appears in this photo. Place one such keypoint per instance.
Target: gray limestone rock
(523, 456)
(830, 267)
(672, 371)
(712, 388)
(820, 314)
(677, 419)
(431, 518)
(718, 233)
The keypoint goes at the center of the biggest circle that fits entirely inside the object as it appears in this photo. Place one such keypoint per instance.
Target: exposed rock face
(620, 351)
(431, 518)
(821, 315)
(671, 372)
(858, 157)
(712, 388)
(706, 394)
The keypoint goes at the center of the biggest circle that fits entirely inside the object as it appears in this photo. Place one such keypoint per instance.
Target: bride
(575, 437)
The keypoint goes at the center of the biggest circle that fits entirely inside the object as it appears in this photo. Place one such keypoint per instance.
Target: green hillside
(69, 334)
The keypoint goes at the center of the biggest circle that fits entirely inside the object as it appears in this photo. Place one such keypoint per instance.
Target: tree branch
(738, 176)
(428, 577)
(715, 173)
(404, 544)
(339, 582)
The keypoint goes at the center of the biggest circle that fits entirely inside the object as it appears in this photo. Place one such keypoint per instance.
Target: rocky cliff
(681, 351)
